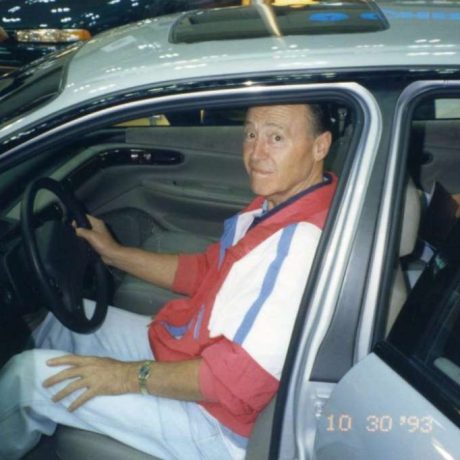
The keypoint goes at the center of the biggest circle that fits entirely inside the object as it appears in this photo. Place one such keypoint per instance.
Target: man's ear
(322, 145)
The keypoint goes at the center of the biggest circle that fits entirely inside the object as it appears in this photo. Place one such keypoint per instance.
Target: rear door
(403, 399)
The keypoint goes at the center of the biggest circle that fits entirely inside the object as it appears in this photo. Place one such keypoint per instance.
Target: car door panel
(195, 194)
(374, 413)
(166, 190)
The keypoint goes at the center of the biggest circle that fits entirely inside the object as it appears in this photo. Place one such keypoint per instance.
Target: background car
(31, 29)
(144, 125)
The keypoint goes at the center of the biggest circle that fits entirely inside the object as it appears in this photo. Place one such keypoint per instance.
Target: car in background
(144, 124)
(30, 29)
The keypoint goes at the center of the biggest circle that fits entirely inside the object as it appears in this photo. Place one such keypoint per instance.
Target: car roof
(420, 35)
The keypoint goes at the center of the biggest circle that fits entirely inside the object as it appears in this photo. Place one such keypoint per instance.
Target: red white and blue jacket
(243, 296)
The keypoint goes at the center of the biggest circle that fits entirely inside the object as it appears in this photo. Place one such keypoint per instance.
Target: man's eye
(250, 135)
(277, 138)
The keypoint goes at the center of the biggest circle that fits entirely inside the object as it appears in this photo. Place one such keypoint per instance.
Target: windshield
(33, 85)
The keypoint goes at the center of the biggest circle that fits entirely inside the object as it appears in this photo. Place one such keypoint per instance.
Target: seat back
(259, 442)
(411, 222)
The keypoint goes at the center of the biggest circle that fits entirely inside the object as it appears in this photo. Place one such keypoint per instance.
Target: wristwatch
(142, 376)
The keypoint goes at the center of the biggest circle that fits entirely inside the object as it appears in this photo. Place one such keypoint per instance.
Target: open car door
(403, 400)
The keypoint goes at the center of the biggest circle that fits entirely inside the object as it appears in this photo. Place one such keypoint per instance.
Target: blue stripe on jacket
(267, 285)
(228, 236)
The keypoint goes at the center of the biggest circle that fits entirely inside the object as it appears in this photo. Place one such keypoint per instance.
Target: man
(218, 353)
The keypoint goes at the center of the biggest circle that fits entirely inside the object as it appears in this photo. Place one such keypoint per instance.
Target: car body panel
(329, 282)
(376, 410)
(140, 56)
(135, 71)
(374, 413)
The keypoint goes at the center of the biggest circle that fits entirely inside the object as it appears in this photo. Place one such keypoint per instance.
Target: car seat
(74, 444)
(409, 233)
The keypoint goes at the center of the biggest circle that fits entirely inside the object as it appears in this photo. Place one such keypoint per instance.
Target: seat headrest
(411, 219)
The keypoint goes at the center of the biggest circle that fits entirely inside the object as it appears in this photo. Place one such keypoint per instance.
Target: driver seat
(74, 444)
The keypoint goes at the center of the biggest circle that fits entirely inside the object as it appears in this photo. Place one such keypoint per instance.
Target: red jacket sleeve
(192, 268)
(232, 378)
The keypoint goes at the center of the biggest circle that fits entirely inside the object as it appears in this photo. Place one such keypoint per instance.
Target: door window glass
(423, 345)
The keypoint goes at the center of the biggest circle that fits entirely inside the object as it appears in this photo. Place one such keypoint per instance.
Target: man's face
(280, 152)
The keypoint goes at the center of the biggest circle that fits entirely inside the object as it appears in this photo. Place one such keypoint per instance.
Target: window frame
(332, 257)
(430, 383)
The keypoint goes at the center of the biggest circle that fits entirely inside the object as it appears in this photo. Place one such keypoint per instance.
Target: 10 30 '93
(380, 423)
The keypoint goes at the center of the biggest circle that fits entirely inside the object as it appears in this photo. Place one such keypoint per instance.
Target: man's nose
(258, 149)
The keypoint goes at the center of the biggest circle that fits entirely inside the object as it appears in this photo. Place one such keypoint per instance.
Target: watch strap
(143, 375)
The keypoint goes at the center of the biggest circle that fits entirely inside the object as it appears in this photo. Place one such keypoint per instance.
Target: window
(447, 109)
(428, 330)
(423, 345)
(439, 109)
(201, 117)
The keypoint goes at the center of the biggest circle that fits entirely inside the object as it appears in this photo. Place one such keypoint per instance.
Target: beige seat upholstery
(411, 221)
(74, 444)
(144, 298)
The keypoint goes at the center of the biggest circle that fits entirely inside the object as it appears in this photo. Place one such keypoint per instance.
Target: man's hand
(99, 376)
(99, 238)
(106, 376)
(159, 269)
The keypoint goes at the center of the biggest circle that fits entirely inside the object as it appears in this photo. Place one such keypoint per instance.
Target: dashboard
(19, 289)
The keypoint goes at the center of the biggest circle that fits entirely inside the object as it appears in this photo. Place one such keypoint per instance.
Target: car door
(402, 400)
(344, 216)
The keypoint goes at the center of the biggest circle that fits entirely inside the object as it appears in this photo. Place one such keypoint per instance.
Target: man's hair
(320, 119)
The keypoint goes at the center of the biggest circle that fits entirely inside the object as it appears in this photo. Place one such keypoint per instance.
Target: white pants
(162, 427)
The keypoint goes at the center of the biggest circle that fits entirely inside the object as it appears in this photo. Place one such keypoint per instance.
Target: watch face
(144, 371)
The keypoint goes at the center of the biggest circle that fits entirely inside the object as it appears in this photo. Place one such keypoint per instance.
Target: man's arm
(105, 376)
(159, 269)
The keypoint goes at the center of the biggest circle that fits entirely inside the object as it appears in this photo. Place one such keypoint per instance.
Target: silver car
(143, 124)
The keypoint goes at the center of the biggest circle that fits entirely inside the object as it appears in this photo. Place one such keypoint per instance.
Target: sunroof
(263, 19)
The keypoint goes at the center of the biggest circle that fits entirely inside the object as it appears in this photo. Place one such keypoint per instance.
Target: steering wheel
(61, 260)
